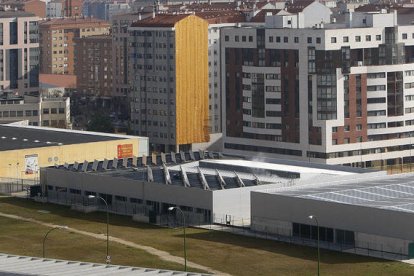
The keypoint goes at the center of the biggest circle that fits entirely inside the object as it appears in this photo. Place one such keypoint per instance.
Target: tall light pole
(47, 233)
(317, 226)
(108, 258)
(185, 249)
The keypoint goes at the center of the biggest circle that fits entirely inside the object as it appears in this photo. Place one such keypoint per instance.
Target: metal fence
(9, 186)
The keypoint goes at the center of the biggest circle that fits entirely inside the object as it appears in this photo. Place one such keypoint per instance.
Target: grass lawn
(225, 252)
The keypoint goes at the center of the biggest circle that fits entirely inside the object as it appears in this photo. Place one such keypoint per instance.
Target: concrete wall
(171, 194)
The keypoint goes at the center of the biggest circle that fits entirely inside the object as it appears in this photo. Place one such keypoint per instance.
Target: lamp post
(47, 233)
(317, 226)
(185, 249)
(108, 258)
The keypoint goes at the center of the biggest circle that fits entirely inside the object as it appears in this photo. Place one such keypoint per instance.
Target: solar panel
(154, 159)
(115, 163)
(95, 165)
(182, 155)
(105, 164)
(201, 154)
(84, 166)
(173, 157)
(191, 155)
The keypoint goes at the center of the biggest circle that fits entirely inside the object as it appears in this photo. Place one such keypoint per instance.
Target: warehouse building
(25, 149)
(372, 216)
(206, 186)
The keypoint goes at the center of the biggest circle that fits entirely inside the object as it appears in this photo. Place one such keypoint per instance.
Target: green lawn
(225, 252)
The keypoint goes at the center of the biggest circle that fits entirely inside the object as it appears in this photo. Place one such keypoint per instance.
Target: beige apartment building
(57, 46)
(19, 52)
(38, 111)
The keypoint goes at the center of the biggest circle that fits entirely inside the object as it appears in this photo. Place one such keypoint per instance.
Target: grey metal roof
(386, 192)
(184, 172)
(23, 265)
(18, 137)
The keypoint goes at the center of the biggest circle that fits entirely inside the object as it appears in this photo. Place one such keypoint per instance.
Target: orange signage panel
(125, 151)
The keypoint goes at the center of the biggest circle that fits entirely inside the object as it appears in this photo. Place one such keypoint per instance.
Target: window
(378, 37)
(285, 39)
(368, 38)
(226, 38)
(61, 110)
(270, 38)
(358, 38)
(334, 129)
(309, 39)
(278, 39)
(333, 39)
(318, 40)
(296, 39)
(53, 110)
(45, 110)
(236, 38)
(250, 38)
(347, 128)
(404, 36)
(345, 39)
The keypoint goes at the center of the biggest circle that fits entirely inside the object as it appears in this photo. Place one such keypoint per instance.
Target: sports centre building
(207, 186)
(373, 216)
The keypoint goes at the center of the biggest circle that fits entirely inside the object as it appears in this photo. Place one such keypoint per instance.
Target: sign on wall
(125, 151)
(31, 164)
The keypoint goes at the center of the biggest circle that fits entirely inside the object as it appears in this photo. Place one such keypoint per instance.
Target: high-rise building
(93, 65)
(328, 93)
(169, 93)
(19, 52)
(57, 41)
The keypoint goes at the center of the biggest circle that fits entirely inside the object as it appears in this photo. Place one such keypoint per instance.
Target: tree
(101, 123)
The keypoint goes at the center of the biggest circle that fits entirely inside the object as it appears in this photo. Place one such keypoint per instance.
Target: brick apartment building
(93, 65)
(330, 93)
(57, 49)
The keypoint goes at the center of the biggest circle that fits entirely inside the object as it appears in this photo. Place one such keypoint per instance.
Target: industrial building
(372, 216)
(25, 149)
(208, 187)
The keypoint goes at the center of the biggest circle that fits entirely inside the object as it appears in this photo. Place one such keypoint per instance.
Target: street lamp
(108, 258)
(185, 250)
(317, 226)
(47, 233)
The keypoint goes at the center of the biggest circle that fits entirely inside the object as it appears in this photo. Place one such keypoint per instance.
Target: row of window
(20, 113)
(347, 128)
(357, 38)
(60, 110)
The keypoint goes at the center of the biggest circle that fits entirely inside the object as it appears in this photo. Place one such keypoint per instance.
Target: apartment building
(38, 111)
(93, 65)
(19, 52)
(57, 48)
(72, 8)
(36, 7)
(169, 67)
(328, 93)
(55, 8)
